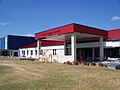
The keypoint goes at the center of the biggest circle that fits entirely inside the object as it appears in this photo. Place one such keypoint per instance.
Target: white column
(101, 48)
(11, 53)
(73, 46)
(38, 48)
(64, 47)
(26, 52)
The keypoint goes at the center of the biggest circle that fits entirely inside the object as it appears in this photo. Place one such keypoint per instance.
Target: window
(35, 52)
(23, 53)
(15, 53)
(11, 53)
(27, 52)
(31, 52)
(54, 51)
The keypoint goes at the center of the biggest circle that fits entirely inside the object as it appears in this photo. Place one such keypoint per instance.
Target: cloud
(3, 23)
(31, 35)
(114, 18)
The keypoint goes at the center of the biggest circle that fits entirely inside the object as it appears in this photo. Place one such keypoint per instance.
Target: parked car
(110, 61)
(114, 66)
(117, 67)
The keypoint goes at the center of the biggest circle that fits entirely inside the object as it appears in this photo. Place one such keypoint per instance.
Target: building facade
(10, 44)
(76, 42)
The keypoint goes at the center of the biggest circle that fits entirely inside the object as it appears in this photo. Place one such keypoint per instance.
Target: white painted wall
(60, 57)
(53, 47)
(28, 52)
(12, 52)
(48, 54)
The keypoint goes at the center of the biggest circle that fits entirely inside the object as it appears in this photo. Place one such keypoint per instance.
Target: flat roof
(71, 28)
(114, 34)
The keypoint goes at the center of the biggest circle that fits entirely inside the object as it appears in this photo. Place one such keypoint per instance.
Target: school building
(73, 42)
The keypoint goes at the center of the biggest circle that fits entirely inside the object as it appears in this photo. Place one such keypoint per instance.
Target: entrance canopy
(64, 33)
(72, 32)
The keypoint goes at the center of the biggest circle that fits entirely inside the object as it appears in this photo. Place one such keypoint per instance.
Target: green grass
(4, 69)
(28, 75)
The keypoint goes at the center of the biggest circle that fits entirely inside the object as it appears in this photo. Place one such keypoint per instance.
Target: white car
(110, 61)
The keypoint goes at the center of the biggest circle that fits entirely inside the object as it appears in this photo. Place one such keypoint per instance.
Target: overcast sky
(26, 17)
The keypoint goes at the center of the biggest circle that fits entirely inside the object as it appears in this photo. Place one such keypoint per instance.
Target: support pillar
(11, 53)
(73, 47)
(101, 49)
(38, 48)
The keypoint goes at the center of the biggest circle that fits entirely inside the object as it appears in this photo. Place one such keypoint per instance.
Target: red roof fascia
(55, 31)
(44, 43)
(114, 34)
(71, 28)
(90, 30)
(51, 43)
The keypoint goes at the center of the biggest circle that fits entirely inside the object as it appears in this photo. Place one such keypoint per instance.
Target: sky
(27, 17)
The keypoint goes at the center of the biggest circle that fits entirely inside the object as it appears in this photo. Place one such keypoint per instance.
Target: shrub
(69, 63)
(86, 63)
(75, 62)
(93, 64)
(101, 65)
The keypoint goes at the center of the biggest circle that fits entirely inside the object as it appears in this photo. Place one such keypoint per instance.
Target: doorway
(86, 53)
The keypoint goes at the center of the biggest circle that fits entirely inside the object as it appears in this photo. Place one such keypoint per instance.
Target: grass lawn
(28, 75)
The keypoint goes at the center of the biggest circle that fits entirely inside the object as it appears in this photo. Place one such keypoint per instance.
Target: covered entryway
(86, 53)
(76, 39)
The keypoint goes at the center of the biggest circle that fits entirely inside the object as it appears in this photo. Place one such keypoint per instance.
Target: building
(74, 42)
(10, 44)
(30, 50)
